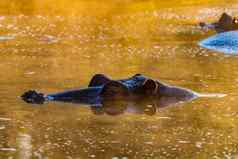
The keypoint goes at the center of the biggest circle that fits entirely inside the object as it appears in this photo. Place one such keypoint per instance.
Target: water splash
(212, 95)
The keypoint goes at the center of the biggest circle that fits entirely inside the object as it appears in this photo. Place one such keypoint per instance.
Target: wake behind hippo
(103, 91)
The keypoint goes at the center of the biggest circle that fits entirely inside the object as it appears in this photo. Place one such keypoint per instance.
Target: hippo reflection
(144, 106)
(137, 94)
(225, 23)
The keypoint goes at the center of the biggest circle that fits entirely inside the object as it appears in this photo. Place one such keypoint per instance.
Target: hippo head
(114, 90)
(34, 97)
(117, 96)
(161, 91)
(225, 23)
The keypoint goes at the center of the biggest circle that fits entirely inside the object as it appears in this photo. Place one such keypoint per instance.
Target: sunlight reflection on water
(54, 52)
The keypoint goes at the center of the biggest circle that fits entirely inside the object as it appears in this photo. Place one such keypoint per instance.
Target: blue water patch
(226, 42)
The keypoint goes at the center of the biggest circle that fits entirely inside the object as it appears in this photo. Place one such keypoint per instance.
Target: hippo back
(226, 42)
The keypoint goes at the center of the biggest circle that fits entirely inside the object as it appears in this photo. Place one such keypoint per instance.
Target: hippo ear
(114, 89)
(138, 74)
(98, 80)
(150, 87)
(235, 21)
(225, 18)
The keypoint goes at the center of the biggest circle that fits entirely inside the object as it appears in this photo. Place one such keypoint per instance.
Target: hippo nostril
(33, 97)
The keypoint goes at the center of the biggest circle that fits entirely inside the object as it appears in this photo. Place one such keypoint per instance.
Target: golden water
(54, 45)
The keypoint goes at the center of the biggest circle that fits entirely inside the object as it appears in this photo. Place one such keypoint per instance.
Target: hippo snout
(34, 97)
(179, 93)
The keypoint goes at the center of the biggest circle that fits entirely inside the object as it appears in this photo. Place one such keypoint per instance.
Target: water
(57, 45)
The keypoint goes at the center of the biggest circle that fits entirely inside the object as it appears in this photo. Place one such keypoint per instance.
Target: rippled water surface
(56, 45)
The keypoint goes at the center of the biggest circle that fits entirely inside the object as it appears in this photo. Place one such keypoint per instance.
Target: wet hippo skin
(226, 42)
(103, 91)
(224, 24)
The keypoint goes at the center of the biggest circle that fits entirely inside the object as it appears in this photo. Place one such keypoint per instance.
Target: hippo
(138, 94)
(224, 24)
(226, 42)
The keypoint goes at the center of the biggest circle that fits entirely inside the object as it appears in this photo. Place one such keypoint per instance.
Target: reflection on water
(121, 108)
(56, 45)
(24, 146)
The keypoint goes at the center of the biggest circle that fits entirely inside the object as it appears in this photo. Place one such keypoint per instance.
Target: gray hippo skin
(103, 88)
(224, 24)
(226, 42)
(137, 94)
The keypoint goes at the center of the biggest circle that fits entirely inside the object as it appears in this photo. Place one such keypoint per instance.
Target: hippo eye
(235, 20)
